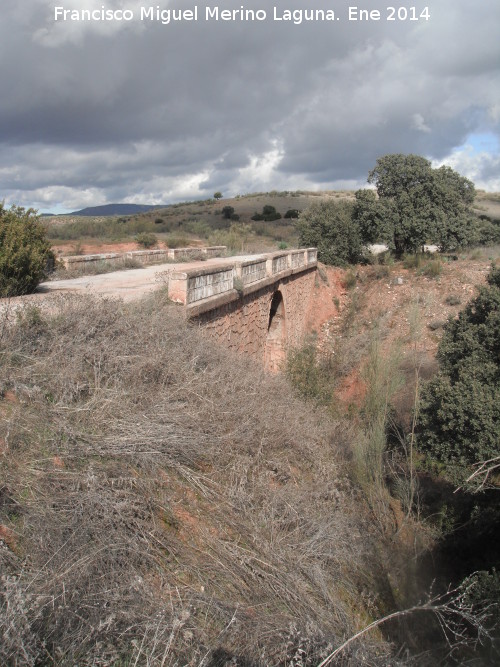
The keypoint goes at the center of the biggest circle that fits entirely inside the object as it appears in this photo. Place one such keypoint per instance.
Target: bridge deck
(189, 282)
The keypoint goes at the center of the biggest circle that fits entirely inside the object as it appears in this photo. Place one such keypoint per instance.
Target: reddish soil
(389, 303)
(58, 462)
(10, 397)
(328, 300)
(9, 537)
(391, 300)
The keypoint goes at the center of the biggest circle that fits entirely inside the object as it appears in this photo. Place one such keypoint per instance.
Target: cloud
(419, 123)
(150, 112)
(482, 168)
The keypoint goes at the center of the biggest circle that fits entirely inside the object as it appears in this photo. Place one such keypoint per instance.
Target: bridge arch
(255, 305)
(275, 347)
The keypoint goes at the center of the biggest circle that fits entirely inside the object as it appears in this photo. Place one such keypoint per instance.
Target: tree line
(413, 204)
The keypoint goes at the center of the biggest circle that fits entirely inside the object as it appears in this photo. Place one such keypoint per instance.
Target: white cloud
(419, 124)
(482, 168)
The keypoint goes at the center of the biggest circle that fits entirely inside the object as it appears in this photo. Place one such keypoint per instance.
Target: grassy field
(192, 223)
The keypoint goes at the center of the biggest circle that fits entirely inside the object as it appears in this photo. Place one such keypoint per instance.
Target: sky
(150, 112)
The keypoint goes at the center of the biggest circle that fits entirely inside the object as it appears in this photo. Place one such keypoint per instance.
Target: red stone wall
(242, 325)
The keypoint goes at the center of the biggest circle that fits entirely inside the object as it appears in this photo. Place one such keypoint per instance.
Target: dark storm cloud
(152, 112)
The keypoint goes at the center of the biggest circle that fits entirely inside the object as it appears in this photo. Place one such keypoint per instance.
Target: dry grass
(163, 503)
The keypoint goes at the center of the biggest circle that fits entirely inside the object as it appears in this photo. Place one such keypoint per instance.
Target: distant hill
(116, 209)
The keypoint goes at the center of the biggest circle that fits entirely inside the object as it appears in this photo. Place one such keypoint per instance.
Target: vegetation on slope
(164, 503)
(460, 414)
(381, 347)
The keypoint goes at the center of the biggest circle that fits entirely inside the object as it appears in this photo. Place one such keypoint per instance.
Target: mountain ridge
(116, 209)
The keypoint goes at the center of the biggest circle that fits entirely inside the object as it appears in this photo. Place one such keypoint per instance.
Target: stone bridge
(256, 305)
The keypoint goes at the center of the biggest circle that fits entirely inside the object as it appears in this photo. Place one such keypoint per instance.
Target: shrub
(350, 280)
(146, 240)
(453, 300)
(488, 231)
(412, 261)
(78, 248)
(432, 269)
(310, 375)
(227, 212)
(460, 415)
(328, 225)
(177, 242)
(434, 325)
(379, 271)
(269, 213)
(291, 213)
(25, 253)
(416, 204)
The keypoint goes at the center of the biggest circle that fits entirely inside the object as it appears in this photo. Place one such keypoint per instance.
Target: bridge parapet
(277, 262)
(236, 276)
(299, 258)
(251, 271)
(312, 255)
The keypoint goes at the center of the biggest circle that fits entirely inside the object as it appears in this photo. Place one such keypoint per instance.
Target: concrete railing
(143, 256)
(188, 287)
(250, 271)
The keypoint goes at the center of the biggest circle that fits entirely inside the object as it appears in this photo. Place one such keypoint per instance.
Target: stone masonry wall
(242, 325)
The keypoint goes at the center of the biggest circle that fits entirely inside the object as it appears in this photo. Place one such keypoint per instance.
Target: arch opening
(276, 334)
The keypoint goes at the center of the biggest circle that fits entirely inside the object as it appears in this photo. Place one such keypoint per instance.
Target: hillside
(170, 502)
(188, 223)
(203, 222)
(163, 502)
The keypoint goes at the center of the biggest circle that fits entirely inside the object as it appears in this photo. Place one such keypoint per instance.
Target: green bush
(107, 228)
(227, 212)
(350, 279)
(177, 242)
(25, 253)
(146, 240)
(328, 226)
(309, 374)
(460, 413)
(488, 230)
(269, 213)
(412, 261)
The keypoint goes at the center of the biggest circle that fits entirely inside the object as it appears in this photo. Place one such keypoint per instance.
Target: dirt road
(127, 285)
